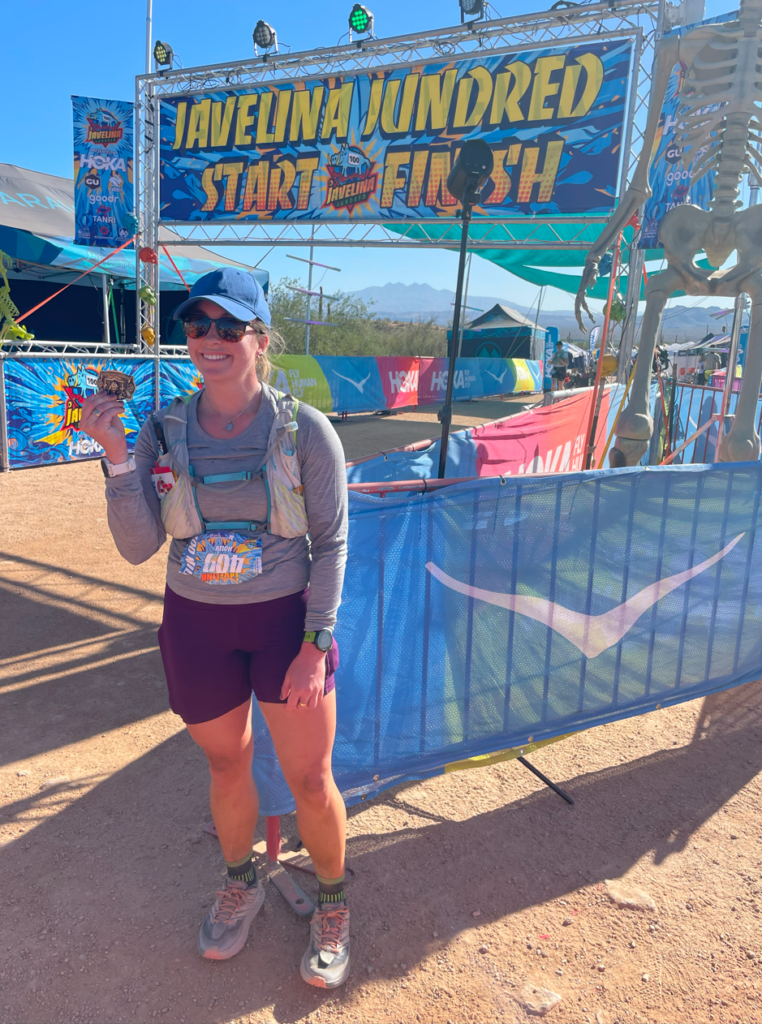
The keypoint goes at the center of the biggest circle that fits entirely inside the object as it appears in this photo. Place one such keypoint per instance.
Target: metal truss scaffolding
(615, 19)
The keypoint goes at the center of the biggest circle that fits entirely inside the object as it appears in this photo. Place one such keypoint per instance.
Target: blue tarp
(422, 465)
(433, 672)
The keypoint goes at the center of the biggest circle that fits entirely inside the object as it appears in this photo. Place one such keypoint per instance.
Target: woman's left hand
(305, 679)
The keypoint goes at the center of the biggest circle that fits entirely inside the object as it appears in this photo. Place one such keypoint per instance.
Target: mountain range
(405, 302)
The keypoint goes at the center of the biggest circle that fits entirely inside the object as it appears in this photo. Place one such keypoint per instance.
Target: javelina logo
(103, 128)
(351, 178)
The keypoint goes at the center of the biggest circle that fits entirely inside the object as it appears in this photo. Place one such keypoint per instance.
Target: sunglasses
(228, 328)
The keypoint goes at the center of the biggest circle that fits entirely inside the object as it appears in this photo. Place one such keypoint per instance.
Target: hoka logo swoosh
(592, 634)
(356, 384)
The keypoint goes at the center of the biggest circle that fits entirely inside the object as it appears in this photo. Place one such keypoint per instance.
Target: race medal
(113, 382)
(220, 558)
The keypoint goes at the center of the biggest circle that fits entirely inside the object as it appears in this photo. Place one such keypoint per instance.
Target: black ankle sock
(243, 871)
(331, 890)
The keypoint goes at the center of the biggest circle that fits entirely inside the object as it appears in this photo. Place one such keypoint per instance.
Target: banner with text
(380, 145)
(477, 378)
(546, 440)
(44, 395)
(549, 439)
(44, 403)
(104, 200)
(349, 383)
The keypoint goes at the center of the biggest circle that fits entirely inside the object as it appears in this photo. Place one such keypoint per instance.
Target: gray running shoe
(226, 926)
(326, 961)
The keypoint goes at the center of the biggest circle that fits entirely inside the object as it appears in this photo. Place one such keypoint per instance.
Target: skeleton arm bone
(667, 55)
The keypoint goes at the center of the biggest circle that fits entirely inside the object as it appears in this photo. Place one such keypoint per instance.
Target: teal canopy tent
(37, 230)
(539, 266)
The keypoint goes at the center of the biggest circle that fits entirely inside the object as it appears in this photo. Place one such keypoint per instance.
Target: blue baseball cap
(237, 292)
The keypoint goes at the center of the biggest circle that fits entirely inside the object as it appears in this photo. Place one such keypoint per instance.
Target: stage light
(360, 20)
(264, 35)
(163, 53)
(471, 8)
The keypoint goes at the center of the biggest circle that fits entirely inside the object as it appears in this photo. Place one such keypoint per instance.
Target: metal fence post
(4, 458)
(157, 378)
(106, 324)
(730, 372)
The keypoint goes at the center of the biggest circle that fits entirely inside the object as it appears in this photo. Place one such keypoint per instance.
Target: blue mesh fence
(694, 407)
(489, 613)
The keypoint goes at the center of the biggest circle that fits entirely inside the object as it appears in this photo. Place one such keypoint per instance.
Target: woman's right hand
(101, 419)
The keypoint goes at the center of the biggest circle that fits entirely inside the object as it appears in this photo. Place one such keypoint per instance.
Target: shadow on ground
(110, 923)
(77, 659)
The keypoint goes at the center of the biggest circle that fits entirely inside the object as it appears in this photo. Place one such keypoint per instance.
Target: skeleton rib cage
(719, 113)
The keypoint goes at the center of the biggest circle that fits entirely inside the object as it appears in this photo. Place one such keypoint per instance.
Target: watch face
(324, 640)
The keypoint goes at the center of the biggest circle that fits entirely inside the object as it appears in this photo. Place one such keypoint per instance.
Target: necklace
(229, 424)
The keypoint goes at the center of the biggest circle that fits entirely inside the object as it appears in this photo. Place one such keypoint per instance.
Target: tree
(356, 332)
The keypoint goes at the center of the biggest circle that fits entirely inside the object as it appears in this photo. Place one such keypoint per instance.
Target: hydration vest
(286, 511)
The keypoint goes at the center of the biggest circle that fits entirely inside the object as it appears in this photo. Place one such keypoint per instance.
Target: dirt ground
(466, 887)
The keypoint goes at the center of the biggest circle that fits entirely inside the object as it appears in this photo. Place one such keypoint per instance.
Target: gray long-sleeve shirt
(288, 564)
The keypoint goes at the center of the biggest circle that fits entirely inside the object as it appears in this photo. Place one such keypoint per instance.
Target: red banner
(550, 439)
(399, 379)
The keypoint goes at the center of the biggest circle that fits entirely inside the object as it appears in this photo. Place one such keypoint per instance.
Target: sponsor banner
(349, 383)
(354, 382)
(534, 608)
(477, 378)
(302, 377)
(103, 182)
(550, 439)
(44, 403)
(380, 145)
(672, 179)
(399, 376)
(551, 338)
(527, 374)
(368, 383)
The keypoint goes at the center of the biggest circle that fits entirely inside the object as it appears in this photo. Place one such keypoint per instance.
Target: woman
(255, 627)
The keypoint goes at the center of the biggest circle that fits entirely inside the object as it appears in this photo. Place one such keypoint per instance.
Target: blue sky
(59, 50)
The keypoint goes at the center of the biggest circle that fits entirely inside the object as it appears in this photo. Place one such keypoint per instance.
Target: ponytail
(276, 345)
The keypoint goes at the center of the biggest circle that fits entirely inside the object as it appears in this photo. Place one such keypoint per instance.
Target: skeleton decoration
(723, 65)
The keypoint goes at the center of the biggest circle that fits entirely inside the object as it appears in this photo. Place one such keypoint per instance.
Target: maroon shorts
(216, 655)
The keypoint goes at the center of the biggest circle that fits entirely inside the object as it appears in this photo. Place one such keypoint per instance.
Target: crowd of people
(567, 371)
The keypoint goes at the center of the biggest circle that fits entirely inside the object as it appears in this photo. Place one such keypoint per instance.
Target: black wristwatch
(323, 639)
